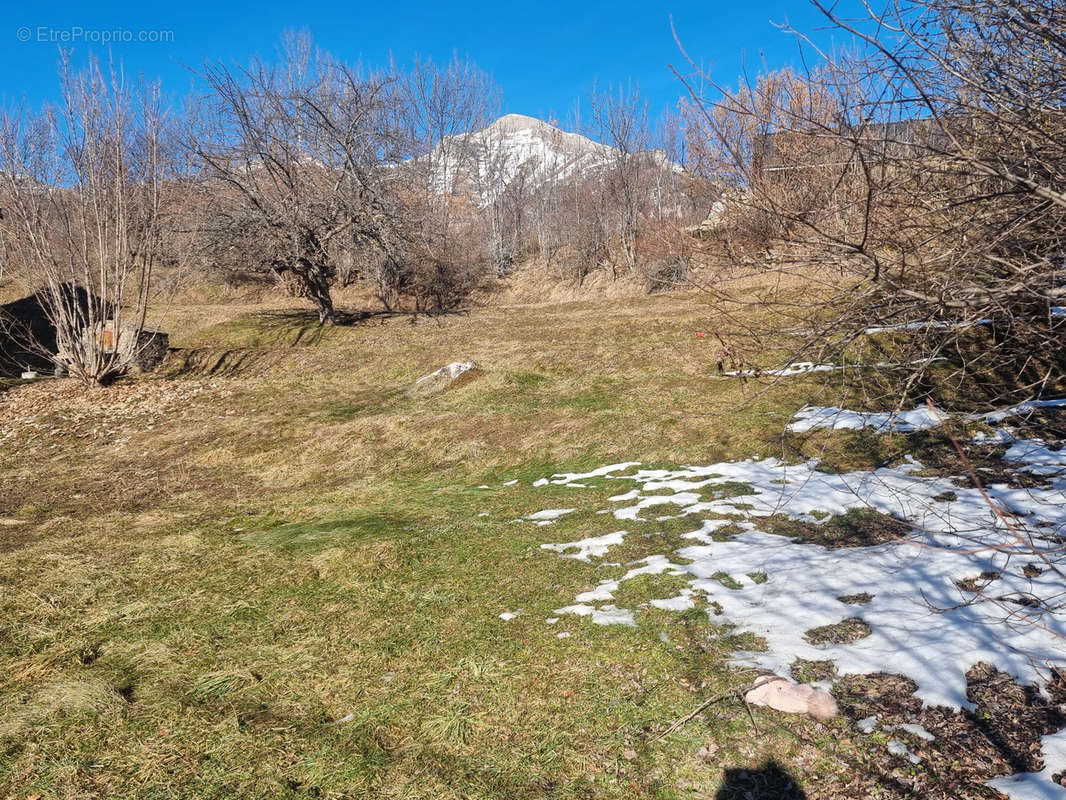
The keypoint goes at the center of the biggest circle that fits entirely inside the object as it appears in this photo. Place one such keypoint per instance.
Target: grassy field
(270, 571)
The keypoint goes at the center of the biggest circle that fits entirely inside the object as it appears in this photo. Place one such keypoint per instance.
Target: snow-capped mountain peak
(486, 161)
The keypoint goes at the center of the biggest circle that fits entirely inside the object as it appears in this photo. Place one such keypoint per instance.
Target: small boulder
(792, 698)
(444, 378)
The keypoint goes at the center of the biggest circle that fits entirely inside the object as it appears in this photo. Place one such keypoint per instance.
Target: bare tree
(292, 160)
(918, 181)
(620, 120)
(83, 204)
(504, 185)
(448, 208)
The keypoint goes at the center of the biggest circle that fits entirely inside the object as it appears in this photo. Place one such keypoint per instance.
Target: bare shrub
(917, 184)
(83, 209)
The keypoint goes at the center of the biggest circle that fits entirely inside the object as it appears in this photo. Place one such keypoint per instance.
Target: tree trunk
(316, 280)
(324, 305)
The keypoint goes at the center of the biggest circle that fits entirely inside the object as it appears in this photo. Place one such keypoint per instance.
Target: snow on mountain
(516, 147)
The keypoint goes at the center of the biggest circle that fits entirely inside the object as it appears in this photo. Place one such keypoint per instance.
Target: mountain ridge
(486, 161)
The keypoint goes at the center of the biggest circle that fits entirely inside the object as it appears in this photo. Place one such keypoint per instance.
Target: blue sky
(543, 55)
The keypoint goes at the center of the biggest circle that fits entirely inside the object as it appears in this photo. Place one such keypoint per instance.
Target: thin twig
(681, 722)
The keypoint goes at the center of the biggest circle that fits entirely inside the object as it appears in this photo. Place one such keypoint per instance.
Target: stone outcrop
(444, 378)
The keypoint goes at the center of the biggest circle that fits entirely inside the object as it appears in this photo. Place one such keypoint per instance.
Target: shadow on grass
(771, 781)
(304, 324)
(6, 384)
(275, 332)
(217, 362)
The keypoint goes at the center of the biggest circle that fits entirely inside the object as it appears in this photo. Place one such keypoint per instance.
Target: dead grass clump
(844, 632)
(91, 697)
(856, 528)
(858, 599)
(354, 565)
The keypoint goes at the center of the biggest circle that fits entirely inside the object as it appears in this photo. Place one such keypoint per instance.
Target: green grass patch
(281, 585)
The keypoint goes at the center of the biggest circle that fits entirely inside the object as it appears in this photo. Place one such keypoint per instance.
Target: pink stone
(792, 698)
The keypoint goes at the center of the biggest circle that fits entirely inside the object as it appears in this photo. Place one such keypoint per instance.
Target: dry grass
(265, 573)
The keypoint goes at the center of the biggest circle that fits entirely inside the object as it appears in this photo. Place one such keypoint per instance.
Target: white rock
(441, 379)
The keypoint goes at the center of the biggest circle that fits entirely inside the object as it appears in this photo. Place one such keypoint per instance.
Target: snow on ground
(806, 367)
(898, 748)
(811, 418)
(1021, 409)
(915, 729)
(1038, 785)
(604, 615)
(548, 515)
(587, 548)
(921, 624)
(932, 615)
(867, 724)
(796, 368)
(925, 324)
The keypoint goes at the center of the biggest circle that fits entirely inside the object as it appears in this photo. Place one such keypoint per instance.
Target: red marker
(700, 335)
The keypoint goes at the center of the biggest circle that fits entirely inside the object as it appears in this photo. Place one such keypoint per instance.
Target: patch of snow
(563, 635)
(915, 729)
(507, 616)
(681, 602)
(868, 724)
(1020, 409)
(812, 418)
(898, 748)
(548, 515)
(1036, 457)
(510, 483)
(926, 324)
(703, 533)
(998, 436)
(921, 625)
(601, 472)
(797, 368)
(605, 615)
(594, 546)
(807, 367)
(921, 418)
(1038, 785)
(601, 594)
